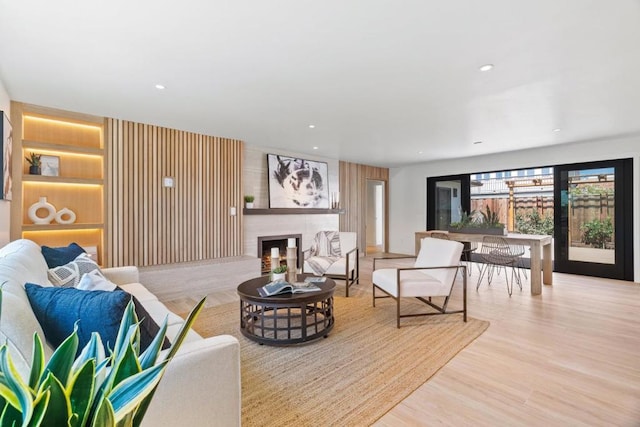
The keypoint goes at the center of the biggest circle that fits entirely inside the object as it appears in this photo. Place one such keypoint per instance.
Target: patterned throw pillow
(69, 275)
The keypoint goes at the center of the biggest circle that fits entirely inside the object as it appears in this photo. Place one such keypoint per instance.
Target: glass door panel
(594, 224)
(591, 211)
(447, 198)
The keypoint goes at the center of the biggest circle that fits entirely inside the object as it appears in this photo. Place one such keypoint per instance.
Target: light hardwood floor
(568, 357)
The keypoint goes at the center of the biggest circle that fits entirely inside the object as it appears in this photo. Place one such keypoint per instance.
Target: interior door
(375, 216)
(593, 219)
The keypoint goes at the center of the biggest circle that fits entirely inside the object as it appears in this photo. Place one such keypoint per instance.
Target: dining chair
(497, 254)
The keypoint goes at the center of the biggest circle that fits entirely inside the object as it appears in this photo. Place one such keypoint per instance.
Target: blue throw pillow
(56, 257)
(58, 309)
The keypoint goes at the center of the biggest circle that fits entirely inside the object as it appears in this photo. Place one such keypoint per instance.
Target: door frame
(465, 195)
(623, 217)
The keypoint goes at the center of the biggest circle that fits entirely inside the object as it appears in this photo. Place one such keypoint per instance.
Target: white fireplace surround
(273, 225)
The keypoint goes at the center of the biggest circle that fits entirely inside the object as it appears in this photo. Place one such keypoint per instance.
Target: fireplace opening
(266, 243)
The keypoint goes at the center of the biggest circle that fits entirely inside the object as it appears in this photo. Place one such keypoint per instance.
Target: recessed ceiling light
(477, 142)
(315, 148)
(556, 130)
(312, 126)
(486, 67)
(159, 86)
(419, 152)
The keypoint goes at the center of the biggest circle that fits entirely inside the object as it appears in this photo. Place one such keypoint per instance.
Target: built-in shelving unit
(291, 211)
(77, 141)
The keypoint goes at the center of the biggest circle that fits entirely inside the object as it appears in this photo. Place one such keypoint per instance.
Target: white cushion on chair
(439, 253)
(414, 283)
(337, 268)
(433, 282)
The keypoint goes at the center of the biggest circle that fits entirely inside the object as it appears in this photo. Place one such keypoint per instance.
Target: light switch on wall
(167, 182)
(232, 211)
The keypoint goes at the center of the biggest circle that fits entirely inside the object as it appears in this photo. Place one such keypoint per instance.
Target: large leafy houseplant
(93, 389)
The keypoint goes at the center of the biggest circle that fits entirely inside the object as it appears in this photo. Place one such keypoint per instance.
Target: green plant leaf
(185, 329)
(15, 383)
(37, 362)
(131, 392)
(7, 394)
(126, 366)
(62, 359)
(40, 405)
(104, 416)
(150, 355)
(58, 411)
(80, 391)
(94, 349)
(10, 416)
(129, 320)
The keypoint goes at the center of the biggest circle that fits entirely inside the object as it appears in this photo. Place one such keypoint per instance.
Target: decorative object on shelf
(65, 216)
(292, 254)
(42, 203)
(279, 273)
(34, 163)
(334, 200)
(297, 183)
(50, 165)
(248, 200)
(7, 141)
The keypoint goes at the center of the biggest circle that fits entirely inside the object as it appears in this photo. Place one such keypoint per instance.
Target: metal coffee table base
(286, 323)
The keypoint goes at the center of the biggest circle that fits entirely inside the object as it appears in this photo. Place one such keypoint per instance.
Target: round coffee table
(287, 318)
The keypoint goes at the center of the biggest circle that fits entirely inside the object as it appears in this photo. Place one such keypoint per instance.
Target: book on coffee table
(281, 287)
(315, 279)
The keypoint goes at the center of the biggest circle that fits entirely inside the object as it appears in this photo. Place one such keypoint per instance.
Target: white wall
(5, 206)
(407, 212)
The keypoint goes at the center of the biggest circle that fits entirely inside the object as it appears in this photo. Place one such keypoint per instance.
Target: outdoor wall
(5, 206)
(408, 184)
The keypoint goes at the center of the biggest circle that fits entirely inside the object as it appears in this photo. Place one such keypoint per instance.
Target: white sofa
(201, 386)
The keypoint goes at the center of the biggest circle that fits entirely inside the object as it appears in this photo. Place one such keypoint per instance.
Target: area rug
(363, 368)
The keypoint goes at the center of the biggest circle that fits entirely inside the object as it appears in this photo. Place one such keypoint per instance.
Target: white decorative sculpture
(32, 213)
(71, 216)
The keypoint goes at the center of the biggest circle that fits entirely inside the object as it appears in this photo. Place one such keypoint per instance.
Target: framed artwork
(50, 165)
(7, 141)
(297, 183)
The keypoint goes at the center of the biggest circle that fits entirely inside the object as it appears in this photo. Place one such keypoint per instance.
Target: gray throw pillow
(69, 275)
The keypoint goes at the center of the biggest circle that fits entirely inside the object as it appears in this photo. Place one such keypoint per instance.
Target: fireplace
(265, 243)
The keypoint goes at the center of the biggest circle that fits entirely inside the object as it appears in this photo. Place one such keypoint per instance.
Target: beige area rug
(363, 369)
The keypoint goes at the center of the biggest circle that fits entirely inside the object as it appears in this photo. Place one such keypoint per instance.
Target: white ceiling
(381, 80)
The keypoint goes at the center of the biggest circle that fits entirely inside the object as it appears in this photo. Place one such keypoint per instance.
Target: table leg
(547, 265)
(536, 270)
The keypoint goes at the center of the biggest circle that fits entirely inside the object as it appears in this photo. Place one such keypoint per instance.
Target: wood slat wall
(353, 192)
(149, 224)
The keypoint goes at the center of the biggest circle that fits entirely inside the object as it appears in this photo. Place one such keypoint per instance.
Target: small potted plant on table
(279, 273)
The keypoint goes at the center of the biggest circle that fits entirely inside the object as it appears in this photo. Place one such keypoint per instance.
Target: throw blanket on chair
(324, 251)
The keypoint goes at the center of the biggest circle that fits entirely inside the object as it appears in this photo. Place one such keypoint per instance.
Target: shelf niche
(78, 141)
(291, 211)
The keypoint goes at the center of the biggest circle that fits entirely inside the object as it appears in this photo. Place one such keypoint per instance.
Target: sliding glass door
(593, 219)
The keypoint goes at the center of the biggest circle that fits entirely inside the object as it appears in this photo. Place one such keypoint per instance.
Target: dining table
(540, 245)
